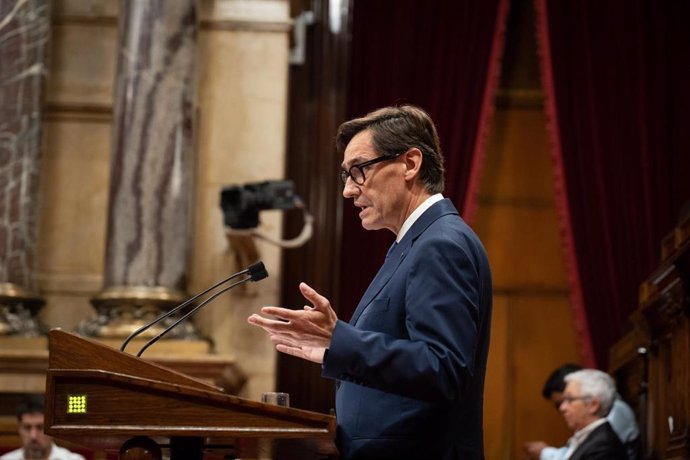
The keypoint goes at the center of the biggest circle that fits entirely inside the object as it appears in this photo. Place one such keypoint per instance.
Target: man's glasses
(571, 399)
(356, 172)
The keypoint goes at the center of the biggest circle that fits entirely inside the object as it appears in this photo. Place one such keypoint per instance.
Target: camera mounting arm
(304, 236)
(241, 206)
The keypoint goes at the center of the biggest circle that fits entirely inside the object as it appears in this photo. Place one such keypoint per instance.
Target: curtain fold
(486, 110)
(615, 78)
(561, 199)
(444, 57)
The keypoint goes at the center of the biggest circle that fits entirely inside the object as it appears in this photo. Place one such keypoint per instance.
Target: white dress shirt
(412, 218)
(56, 453)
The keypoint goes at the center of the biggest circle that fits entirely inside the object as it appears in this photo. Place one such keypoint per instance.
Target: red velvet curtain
(616, 75)
(443, 56)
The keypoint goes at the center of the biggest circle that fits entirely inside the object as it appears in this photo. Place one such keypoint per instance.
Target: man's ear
(413, 162)
(594, 406)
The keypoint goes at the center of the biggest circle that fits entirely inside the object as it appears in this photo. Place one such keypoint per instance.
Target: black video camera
(241, 203)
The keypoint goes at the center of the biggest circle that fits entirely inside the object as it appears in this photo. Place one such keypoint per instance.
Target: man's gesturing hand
(303, 333)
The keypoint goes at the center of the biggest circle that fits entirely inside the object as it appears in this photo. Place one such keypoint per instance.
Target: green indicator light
(76, 404)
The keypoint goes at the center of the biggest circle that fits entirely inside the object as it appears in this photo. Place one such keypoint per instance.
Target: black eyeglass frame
(344, 175)
(572, 399)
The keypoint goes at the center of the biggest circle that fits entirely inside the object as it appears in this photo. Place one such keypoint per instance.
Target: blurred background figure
(36, 445)
(620, 417)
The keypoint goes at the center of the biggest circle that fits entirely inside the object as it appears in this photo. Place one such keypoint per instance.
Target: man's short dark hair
(556, 381)
(394, 131)
(30, 404)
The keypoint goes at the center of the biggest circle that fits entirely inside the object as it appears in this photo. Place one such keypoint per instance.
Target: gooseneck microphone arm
(256, 271)
(188, 314)
(177, 308)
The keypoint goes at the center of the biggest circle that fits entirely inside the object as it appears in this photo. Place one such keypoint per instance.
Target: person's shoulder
(13, 455)
(453, 231)
(60, 453)
(601, 444)
(605, 432)
(622, 419)
(621, 407)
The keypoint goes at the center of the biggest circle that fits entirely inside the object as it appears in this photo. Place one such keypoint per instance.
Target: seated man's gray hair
(597, 385)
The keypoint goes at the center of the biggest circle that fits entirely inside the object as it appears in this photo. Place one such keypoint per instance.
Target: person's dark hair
(394, 131)
(30, 404)
(556, 381)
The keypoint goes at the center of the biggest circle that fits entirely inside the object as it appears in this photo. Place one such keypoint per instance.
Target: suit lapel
(596, 436)
(390, 265)
(397, 253)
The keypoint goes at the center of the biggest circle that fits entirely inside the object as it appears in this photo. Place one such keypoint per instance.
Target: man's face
(36, 444)
(578, 410)
(381, 197)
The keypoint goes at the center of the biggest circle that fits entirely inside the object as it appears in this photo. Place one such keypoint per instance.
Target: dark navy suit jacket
(410, 364)
(601, 444)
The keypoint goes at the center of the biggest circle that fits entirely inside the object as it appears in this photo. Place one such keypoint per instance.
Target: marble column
(24, 38)
(149, 221)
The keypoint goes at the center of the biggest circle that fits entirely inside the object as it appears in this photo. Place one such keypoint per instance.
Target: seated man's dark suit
(410, 364)
(601, 444)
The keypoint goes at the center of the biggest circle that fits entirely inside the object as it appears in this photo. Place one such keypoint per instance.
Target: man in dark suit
(621, 418)
(587, 399)
(410, 364)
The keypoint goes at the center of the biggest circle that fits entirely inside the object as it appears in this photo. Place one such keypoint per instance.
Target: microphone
(254, 272)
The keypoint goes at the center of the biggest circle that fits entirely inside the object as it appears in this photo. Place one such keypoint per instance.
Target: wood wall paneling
(533, 328)
(533, 331)
(316, 108)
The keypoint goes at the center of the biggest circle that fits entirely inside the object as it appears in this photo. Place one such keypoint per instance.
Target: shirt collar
(412, 218)
(582, 434)
(579, 437)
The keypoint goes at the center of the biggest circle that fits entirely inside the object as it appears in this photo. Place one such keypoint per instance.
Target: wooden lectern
(102, 398)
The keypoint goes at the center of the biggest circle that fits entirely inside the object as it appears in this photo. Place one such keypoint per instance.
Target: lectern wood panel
(99, 403)
(68, 351)
(100, 397)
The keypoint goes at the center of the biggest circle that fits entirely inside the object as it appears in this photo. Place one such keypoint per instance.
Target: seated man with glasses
(621, 418)
(587, 399)
(410, 364)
